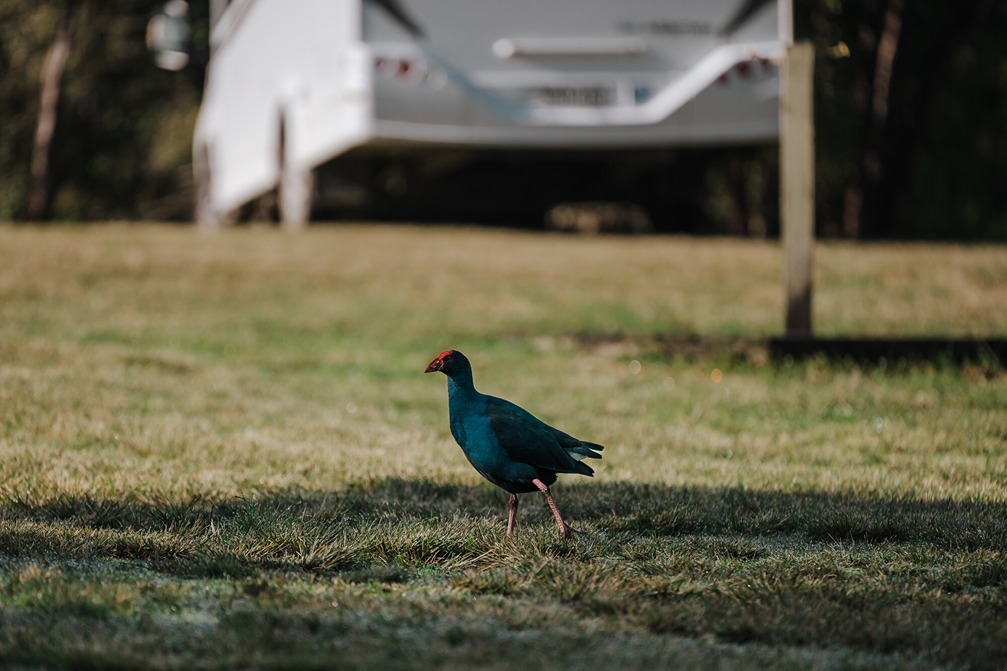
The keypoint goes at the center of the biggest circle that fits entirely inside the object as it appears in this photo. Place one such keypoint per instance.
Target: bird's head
(448, 362)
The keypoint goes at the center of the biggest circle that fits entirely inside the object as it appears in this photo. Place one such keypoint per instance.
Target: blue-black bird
(508, 445)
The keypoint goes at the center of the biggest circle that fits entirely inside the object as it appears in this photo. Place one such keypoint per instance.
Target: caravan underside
(515, 188)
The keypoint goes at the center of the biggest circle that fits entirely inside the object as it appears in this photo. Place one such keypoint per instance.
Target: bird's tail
(585, 450)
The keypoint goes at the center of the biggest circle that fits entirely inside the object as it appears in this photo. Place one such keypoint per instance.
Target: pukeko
(508, 445)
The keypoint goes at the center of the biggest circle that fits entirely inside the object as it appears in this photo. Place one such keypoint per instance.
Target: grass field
(220, 451)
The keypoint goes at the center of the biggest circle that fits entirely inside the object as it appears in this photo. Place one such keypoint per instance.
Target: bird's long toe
(568, 530)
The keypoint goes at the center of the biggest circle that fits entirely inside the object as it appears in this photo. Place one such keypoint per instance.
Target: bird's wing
(527, 439)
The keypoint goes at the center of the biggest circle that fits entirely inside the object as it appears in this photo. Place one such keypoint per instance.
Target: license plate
(574, 96)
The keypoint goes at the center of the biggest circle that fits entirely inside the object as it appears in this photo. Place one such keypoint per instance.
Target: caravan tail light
(747, 70)
(409, 70)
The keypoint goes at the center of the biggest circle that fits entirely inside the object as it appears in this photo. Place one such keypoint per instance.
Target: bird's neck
(460, 387)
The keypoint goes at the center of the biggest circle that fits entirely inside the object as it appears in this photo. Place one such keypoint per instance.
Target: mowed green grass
(220, 451)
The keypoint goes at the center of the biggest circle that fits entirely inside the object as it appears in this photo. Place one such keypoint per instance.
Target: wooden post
(797, 184)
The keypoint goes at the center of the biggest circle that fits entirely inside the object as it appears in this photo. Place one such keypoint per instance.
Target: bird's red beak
(438, 363)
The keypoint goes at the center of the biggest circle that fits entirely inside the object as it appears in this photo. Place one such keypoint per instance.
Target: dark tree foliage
(931, 165)
(121, 144)
(911, 126)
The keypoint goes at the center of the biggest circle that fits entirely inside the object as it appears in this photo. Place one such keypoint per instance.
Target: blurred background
(911, 122)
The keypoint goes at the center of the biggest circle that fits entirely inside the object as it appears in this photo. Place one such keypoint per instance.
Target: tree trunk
(860, 206)
(52, 74)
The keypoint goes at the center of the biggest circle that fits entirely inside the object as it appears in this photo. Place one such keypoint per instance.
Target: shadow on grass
(397, 522)
(816, 516)
(689, 562)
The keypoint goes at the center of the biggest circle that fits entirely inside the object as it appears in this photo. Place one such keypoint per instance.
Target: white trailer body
(293, 85)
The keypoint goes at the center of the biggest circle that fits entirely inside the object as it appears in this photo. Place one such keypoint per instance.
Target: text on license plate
(574, 96)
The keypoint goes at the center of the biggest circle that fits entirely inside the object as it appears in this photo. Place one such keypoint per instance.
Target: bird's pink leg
(564, 528)
(512, 515)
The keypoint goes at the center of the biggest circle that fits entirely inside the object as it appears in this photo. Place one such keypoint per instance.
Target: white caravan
(388, 96)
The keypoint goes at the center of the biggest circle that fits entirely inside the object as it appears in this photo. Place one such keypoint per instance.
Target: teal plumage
(505, 443)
